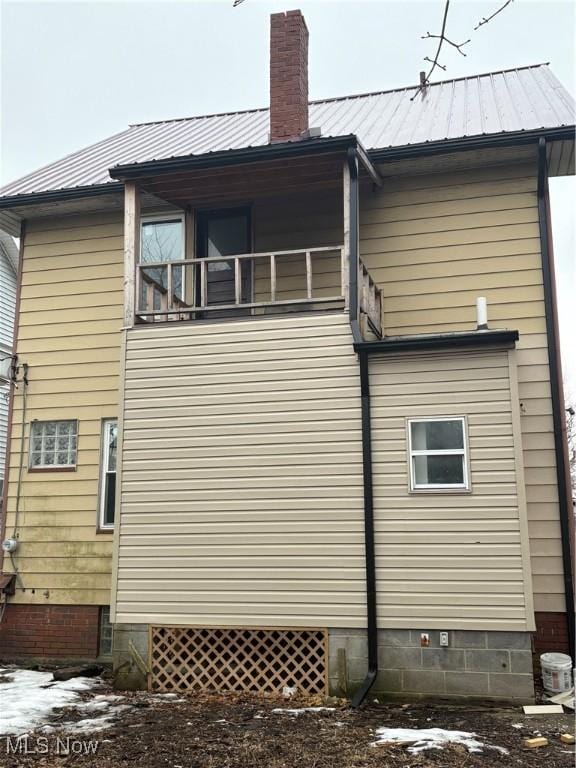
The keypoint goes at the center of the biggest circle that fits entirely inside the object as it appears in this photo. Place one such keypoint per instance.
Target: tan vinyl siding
(450, 557)
(241, 486)
(241, 476)
(69, 334)
(434, 243)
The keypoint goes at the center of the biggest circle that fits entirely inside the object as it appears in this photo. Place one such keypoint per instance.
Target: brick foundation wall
(551, 634)
(49, 632)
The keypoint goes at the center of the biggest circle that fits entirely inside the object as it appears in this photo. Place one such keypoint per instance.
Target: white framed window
(438, 454)
(53, 445)
(162, 239)
(108, 457)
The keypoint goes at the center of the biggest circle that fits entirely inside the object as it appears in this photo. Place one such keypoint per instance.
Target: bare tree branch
(425, 77)
(485, 20)
(458, 46)
(237, 2)
(436, 64)
(441, 38)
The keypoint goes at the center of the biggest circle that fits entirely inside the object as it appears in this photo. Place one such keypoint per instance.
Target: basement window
(53, 445)
(105, 633)
(438, 454)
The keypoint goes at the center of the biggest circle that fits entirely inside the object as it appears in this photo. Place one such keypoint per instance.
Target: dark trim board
(438, 341)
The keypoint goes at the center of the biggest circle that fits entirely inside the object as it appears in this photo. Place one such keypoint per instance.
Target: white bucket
(556, 672)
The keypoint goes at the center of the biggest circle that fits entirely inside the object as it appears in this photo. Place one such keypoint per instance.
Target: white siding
(7, 309)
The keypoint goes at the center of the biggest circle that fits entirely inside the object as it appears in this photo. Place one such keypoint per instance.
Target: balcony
(261, 238)
(257, 283)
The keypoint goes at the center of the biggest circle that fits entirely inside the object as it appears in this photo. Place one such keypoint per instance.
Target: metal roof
(514, 100)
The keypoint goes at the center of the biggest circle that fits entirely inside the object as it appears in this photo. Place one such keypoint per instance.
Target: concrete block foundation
(482, 664)
(130, 642)
(476, 664)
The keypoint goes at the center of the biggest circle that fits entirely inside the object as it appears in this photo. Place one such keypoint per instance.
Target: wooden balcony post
(237, 281)
(351, 237)
(131, 249)
(203, 284)
(308, 275)
(272, 277)
(188, 275)
(150, 293)
(346, 249)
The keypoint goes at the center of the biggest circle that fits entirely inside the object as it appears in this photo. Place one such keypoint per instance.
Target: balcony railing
(251, 283)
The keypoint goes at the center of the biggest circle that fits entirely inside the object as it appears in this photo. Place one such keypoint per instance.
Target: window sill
(437, 491)
(100, 529)
(52, 469)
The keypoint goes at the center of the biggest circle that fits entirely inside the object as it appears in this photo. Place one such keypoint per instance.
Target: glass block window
(438, 454)
(53, 444)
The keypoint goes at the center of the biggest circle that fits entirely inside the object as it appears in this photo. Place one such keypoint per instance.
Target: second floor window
(161, 240)
(108, 473)
(53, 444)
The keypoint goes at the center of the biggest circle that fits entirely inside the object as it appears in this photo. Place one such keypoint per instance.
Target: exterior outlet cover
(444, 640)
(424, 640)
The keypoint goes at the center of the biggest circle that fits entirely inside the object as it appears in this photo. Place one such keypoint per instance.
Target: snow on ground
(431, 738)
(30, 698)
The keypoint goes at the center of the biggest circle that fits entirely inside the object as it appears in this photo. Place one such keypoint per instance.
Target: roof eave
(60, 195)
(466, 143)
(240, 156)
(285, 149)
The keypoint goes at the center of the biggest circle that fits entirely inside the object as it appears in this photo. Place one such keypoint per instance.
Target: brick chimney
(288, 76)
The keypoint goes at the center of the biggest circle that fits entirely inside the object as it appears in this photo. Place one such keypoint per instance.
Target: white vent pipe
(481, 314)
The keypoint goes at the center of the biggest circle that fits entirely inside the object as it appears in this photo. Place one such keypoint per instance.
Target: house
(267, 422)
(8, 269)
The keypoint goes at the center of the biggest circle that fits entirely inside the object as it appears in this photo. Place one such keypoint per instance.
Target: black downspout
(554, 365)
(370, 553)
(369, 544)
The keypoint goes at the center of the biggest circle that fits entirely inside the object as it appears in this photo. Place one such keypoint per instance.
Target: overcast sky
(74, 72)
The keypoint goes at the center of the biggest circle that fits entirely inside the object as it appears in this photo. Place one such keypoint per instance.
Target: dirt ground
(201, 731)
